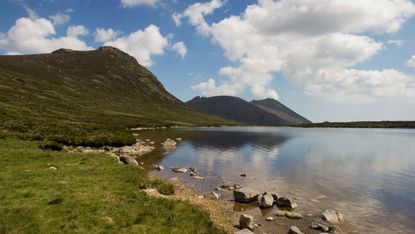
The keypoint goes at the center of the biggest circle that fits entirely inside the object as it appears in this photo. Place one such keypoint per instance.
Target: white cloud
(180, 49)
(396, 42)
(76, 31)
(133, 3)
(411, 62)
(196, 15)
(60, 19)
(142, 44)
(316, 44)
(36, 35)
(104, 35)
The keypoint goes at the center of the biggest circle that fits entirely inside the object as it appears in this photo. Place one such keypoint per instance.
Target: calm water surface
(367, 174)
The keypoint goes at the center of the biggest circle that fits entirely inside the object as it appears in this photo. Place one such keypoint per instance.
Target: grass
(88, 193)
(89, 98)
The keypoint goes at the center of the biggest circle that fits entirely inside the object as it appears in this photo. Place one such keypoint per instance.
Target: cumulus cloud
(316, 44)
(180, 49)
(59, 19)
(104, 35)
(396, 42)
(142, 44)
(196, 15)
(133, 3)
(411, 62)
(37, 35)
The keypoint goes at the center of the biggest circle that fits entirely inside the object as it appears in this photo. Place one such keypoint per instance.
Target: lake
(367, 174)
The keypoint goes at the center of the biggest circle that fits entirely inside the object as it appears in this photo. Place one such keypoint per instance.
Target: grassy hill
(86, 98)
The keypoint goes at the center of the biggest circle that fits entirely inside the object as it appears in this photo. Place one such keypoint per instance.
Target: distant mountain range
(257, 112)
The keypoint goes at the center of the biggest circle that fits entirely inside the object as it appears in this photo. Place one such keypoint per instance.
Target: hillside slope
(277, 108)
(236, 109)
(88, 97)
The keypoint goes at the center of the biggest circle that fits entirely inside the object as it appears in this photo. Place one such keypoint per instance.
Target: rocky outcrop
(245, 195)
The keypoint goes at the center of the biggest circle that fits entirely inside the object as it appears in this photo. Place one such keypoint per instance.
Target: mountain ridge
(237, 109)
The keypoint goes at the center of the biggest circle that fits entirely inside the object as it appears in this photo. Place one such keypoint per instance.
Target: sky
(329, 60)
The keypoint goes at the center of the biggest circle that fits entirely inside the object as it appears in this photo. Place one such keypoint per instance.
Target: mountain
(263, 112)
(237, 109)
(277, 108)
(87, 97)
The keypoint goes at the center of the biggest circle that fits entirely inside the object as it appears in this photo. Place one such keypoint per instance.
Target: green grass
(89, 98)
(88, 193)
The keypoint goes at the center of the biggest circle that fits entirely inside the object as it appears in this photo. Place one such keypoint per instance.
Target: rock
(215, 195)
(333, 216)
(246, 221)
(294, 230)
(125, 159)
(293, 215)
(245, 195)
(237, 186)
(269, 218)
(244, 231)
(275, 196)
(218, 189)
(265, 200)
(279, 213)
(136, 149)
(174, 179)
(320, 197)
(286, 202)
(192, 173)
(200, 197)
(199, 177)
(158, 167)
(53, 168)
(179, 170)
(318, 226)
(243, 175)
(192, 169)
(178, 139)
(169, 144)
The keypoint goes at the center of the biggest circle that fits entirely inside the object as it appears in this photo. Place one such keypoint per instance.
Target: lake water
(367, 174)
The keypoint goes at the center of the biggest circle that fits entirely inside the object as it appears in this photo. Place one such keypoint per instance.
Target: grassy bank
(87, 193)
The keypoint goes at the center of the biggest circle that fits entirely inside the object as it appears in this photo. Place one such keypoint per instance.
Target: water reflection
(367, 174)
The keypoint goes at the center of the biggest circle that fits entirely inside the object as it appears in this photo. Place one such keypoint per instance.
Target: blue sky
(333, 60)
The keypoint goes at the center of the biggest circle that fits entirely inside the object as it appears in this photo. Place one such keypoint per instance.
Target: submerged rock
(295, 230)
(318, 226)
(158, 167)
(169, 144)
(245, 195)
(179, 170)
(293, 215)
(265, 200)
(246, 221)
(333, 216)
(269, 218)
(244, 231)
(286, 202)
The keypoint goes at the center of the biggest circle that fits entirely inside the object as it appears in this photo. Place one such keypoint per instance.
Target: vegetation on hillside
(87, 98)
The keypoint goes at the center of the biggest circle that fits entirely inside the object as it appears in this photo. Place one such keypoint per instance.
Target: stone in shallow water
(245, 195)
(265, 200)
(244, 231)
(270, 218)
(333, 216)
(286, 202)
(293, 215)
(319, 226)
(295, 230)
(246, 221)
